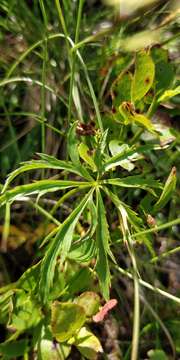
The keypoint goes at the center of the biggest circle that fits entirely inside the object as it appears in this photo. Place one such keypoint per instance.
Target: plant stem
(43, 89)
(157, 228)
(81, 2)
(167, 253)
(149, 286)
(6, 227)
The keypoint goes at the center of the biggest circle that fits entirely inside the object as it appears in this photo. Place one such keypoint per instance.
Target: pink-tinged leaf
(104, 311)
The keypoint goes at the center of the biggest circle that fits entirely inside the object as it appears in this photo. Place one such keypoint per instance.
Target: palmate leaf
(39, 187)
(47, 162)
(60, 244)
(73, 167)
(102, 240)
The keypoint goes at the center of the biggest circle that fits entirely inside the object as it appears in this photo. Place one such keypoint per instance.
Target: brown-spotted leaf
(143, 76)
(66, 319)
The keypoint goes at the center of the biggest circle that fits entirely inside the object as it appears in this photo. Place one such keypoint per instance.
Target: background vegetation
(89, 154)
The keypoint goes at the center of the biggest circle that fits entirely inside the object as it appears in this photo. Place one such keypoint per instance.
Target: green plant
(121, 139)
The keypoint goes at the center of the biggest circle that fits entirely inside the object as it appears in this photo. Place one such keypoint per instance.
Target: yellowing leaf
(88, 344)
(169, 94)
(84, 153)
(129, 116)
(143, 77)
(121, 89)
(66, 320)
(90, 301)
(49, 351)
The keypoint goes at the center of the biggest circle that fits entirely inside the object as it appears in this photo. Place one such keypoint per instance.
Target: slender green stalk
(63, 25)
(164, 328)
(13, 134)
(149, 286)
(36, 118)
(123, 218)
(43, 89)
(45, 213)
(32, 81)
(152, 108)
(136, 314)
(62, 199)
(81, 2)
(157, 228)
(165, 254)
(6, 227)
(38, 43)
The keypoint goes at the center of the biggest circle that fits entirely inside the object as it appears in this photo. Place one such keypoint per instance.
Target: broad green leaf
(90, 301)
(143, 76)
(11, 350)
(84, 153)
(157, 355)
(39, 187)
(49, 351)
(164, 82)
(121, 89)
(66, 320)
(167, 192)
(162, 68)
(159, 54)
(102, 241)
(169, 94)
(129, 116)
(60, 244)
(88, 344)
